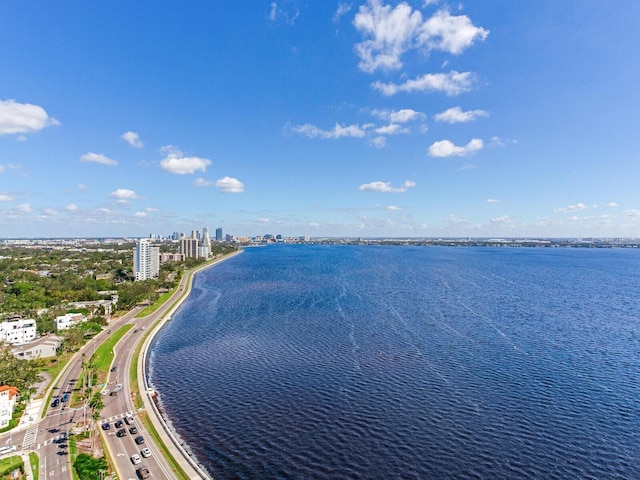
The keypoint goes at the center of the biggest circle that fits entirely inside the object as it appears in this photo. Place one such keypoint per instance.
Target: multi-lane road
(48, 436)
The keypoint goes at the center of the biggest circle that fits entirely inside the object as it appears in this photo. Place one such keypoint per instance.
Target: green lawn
(9, 464)
(103, 356)
(34, 460)
(175, 467)
(155, 305)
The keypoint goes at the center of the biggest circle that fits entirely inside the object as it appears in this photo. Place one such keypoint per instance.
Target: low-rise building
(8, 397)
(64, 322)
(44, 347)
(18, 332)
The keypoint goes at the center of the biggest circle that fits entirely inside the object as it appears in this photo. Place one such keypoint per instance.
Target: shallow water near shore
(333, 362)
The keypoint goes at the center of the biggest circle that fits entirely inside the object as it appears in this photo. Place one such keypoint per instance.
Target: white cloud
(391, 129)
(25, 208)
(378, 142)
(50, 212)
(140, 215)
(133, 139)
(578, 207)
(456, 115)
(124, 194)
(343, 9)
(201, 182)
(286, 11)
(385, 187)
(502, 221)
(448, 33)
(398, 116)
(632, 213)
(612, 204)
(492, 200)
(98, 158)
(393, 208)
(23, 117)
(71, 207)
(446, 148)
(6, 198)
(2, 167)
(230, 185)
(571, 208)
(176, 162)
(82, 187)
(389, 32)
(339, 131)
(452, 83)
(497, 142)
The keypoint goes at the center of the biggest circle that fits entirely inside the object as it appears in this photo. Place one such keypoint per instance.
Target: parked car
(135, 459)
(139, 440)
(106, 426)
(128, 420)
(118, 424)
(145, 452)
(121, 433)
(133, 430)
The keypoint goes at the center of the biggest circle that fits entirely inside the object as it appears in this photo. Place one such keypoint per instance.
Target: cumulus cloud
(339, 131)
(82, 187)
(71, 207)
(285, 11)
(133, 139)
(612, 204)
(446, 148)
(98, 158)
(389, 32)
(391, 129)
(378, 142)
(632, 213)
(124, 194)
(456, 115)
(25, 208)
(386, 187)
(23, 117)
(393, 208)
(452, 34)
(201, 182)
(176, 162)
(50, 212)
(451, 83)
(140, 215)
(230, 185)
(6, 198)
(492, 200)
(578, 207)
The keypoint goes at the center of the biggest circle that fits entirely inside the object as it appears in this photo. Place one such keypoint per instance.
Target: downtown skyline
(330, 119)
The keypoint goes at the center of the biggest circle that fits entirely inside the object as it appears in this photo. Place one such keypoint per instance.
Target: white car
(104, 392)
(135, 459)
(145, 452)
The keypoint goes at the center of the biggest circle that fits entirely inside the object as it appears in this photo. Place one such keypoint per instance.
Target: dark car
(106, 426)
(118, 424)
(133, 430)
(143, 472)
(139, 439)
(65, 398)
(56, 402)
(121, 433)
(113, 369)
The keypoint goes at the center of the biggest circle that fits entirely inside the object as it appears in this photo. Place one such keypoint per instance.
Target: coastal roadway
(48, 435)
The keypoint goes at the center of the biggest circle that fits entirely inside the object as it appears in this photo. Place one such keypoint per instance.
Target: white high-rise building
(146, 260)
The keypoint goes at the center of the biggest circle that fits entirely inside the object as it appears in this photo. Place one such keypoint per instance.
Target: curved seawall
(176, 447)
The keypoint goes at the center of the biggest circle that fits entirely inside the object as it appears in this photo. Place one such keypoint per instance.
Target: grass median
(34, 460)
(173, 464)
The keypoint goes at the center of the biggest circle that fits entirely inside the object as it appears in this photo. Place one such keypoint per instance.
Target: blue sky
(370, 118)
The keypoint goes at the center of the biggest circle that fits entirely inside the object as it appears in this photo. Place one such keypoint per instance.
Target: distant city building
(8, 396)
(189, 247)
(146, 260)
(218, 234)
(18, 332)
(228, 238)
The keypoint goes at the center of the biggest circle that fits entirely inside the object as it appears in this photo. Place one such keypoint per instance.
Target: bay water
(370, 362)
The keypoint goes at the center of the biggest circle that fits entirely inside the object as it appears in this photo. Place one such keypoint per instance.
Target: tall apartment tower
(146, 260)
(218, 234)
(205, 243)
(189, 247)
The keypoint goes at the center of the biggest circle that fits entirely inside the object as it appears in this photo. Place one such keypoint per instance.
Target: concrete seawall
(176, 448)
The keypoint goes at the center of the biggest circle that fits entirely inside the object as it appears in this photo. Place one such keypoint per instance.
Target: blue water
(369, 362)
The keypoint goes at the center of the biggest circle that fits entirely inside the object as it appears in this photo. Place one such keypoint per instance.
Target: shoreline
(176, 447)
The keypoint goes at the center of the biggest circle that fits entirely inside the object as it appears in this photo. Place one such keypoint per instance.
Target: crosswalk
(30, 438)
